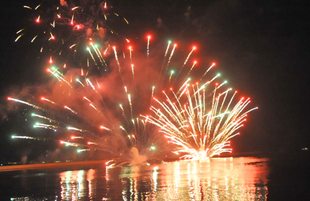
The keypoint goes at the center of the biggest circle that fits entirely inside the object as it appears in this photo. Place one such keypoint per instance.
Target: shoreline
(48, 165)
(293, 156)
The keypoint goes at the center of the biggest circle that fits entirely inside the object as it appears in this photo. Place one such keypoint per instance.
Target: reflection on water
(214, 179)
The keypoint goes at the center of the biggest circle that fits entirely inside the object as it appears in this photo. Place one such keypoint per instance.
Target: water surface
(243, 178)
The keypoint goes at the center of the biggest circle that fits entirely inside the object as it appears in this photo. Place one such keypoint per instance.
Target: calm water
(217, 179)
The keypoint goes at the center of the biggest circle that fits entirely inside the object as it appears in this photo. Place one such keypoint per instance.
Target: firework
(199, 122)
(110, 113)
(100, 113)
(73, 33)
(80, 118)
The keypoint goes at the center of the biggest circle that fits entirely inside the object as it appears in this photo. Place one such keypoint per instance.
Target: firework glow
(199, 123)
(99, 113)
(110, 111)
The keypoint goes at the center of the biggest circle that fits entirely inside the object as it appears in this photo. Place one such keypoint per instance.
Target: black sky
(261, 47)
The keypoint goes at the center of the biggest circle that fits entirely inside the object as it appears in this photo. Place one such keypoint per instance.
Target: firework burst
(73, 33)
(110, 112)
(82, 115)
(100, 113)
(199, 122)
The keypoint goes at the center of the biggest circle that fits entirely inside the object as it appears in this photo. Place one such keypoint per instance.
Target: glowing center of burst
(202, 154)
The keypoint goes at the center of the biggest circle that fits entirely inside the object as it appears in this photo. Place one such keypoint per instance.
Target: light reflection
(213, 179)
(90, 176)
(73, 185)
(155, 174)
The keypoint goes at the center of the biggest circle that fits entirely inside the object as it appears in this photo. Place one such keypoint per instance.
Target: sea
(227, 178)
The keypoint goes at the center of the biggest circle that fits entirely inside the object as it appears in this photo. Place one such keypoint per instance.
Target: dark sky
(261, 47)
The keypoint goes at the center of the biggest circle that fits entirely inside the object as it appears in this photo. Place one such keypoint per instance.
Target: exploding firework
(100, 113)
(110, 112)
(79, 116)
(74, 33)
(200, 123)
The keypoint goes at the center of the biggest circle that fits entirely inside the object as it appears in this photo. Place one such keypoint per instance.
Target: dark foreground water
(243, 178)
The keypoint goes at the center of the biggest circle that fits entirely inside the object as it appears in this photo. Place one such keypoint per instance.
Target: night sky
(261, 47)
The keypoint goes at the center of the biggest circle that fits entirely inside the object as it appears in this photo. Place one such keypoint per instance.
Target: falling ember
(105, 128)
(98, 85)
(24, 102)
(132, 69)
(94, 107)
(72, 22)
(130, 53)
(91, 84)
(74, 129)
(194, 63)
(19, 31)
(18, 37)
(126, 20)
(189, 54)
(74, 8)
(148, 45)
(53, 24)
(36, 8)
(66, 107)
(38, 19)
(34, 38)
(171, 73)
(171, 54)
(28, 7)
(52, 37)
(76, 137)
(70, 47)
(153, 90)
(45, 99)
(213, 64)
